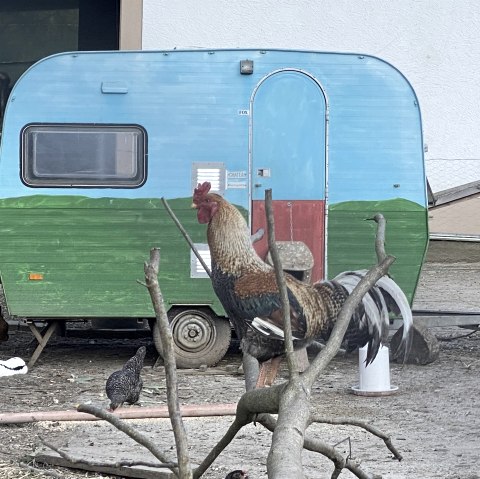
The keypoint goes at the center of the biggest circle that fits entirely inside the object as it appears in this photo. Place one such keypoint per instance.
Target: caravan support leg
(42, 337)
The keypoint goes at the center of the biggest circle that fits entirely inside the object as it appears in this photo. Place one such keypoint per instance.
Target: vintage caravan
(92, 141)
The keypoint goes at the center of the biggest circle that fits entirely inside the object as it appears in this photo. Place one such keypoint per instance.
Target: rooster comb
(200, 191)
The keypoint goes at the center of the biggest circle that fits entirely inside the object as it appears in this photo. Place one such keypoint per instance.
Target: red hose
(191, 410)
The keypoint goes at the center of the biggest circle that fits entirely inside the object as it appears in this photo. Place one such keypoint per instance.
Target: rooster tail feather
(398, 303)
(370, 322)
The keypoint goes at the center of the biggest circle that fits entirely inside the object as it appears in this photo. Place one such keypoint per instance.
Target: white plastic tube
(375, 376)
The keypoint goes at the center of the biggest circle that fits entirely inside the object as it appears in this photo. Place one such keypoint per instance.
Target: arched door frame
(250, 144)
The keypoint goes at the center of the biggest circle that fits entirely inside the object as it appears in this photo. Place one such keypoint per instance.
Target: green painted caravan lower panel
(351, 238)
(91, 252)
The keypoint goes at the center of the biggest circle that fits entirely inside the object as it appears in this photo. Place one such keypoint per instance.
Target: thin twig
(380, 237)
(218, 448)
(136, 435)
(282, 287)
(186, 236)
(258, 235)
(251, 402)
(367, 427)
(120, 463)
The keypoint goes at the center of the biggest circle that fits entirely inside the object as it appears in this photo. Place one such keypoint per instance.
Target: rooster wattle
(246, 287)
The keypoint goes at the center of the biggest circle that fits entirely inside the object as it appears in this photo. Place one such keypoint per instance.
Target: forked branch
(181, 442)
(281, 399)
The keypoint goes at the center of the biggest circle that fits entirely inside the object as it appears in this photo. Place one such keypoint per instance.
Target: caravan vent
(196, 268)
(212, 172)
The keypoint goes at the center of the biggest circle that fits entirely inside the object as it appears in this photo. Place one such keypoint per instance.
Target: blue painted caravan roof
(193, 103)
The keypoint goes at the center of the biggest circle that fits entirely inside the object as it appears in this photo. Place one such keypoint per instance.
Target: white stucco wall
(434, 43)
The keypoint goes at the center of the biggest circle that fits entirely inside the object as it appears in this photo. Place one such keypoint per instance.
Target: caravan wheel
(199, 337)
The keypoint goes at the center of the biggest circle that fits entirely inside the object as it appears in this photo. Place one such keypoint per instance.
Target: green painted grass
(351, 238)
(91, 253)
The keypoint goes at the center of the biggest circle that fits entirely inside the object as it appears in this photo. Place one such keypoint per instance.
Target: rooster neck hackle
(230, 245)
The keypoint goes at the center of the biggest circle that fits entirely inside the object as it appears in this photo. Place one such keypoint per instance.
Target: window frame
(29, 179)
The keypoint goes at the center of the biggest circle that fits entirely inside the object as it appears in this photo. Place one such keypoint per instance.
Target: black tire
(199, 337)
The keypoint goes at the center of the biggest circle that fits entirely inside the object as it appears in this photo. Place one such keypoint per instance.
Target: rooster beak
(193, 205)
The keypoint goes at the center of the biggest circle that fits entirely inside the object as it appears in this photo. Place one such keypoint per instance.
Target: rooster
(246, 286)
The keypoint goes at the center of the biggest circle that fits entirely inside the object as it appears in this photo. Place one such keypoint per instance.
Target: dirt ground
(433, 418)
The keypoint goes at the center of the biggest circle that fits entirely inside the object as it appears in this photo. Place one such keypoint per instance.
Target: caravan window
(66, 155)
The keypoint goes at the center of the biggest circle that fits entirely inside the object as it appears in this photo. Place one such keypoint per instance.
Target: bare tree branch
(282, 287)
(250, 370)
(186, 236)
(136, 435)
(380, 237)
(90, 462)
(322, 360)
(250, 364)
(357, 423)
(296, 393)
(258, 235)
(259, 403)
(290, 429)
(326, 450)
(181, 442)
(252, 402)
(219, 447)
(341, 325)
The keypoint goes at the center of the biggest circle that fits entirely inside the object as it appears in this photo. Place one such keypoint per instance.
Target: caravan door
(288, 155)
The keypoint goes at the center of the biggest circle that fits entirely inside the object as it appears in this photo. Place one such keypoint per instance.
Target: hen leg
(268, 372)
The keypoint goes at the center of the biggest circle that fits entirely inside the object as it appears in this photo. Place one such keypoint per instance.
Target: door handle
(265, 172)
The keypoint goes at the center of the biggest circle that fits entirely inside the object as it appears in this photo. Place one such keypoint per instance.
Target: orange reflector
(35, 276)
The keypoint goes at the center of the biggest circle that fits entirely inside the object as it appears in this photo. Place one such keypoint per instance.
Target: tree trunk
(285, 457)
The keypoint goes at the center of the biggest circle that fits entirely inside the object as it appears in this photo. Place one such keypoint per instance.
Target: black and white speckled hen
(237, 474)
(125, 386)
(247, 289)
